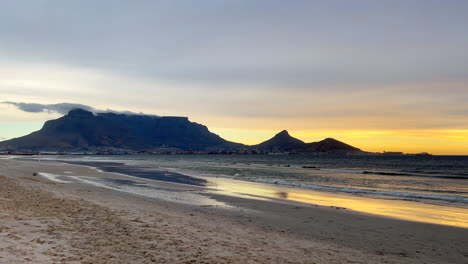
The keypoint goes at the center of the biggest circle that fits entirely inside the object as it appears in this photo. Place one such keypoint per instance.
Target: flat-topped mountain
(81, 129)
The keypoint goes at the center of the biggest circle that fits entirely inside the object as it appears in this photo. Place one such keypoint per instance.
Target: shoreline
(249, 231)
(419, 194)
(419, 210)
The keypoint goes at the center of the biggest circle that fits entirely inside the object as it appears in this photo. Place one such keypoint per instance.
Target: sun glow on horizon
(439, 142)
(16, 123)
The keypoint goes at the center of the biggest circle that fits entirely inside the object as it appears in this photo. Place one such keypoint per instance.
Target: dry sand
(48, 222)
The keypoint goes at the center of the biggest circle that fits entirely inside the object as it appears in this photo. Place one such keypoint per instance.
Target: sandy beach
(47, 221)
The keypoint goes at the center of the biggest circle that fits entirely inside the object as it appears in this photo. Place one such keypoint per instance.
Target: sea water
(430, 178)
(431, 189)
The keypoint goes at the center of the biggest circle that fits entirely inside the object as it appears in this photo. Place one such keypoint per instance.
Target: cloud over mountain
(61, 108)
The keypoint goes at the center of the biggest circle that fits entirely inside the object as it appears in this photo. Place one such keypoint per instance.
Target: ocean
(429, 179)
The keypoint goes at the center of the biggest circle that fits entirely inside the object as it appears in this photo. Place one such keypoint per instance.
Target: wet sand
(43, 221)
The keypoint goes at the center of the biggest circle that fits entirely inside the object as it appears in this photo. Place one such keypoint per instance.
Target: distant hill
(286, 143)
(80, 129)
(332, 146)
(281, 142)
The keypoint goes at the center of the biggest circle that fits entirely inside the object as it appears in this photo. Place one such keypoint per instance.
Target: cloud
(244, 41)
(61, 108)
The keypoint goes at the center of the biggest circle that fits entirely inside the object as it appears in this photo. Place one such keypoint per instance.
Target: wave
(440, 176)
(343, 171)
(436, 191)
(424, 171)
(53, 177)
(423, 174)
(406, 195)
(388, 173)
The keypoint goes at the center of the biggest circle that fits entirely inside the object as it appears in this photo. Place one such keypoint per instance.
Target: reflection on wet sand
(449, 214)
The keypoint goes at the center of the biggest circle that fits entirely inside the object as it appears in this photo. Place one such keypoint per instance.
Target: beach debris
(39, 241)
(13, 236)
(35, 174)
(338, 208)
(309, 167)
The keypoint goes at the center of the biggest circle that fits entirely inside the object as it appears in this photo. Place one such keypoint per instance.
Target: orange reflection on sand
(407, 210)
(401, 209)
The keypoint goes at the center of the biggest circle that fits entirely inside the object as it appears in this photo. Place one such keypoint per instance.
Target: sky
(383, 75)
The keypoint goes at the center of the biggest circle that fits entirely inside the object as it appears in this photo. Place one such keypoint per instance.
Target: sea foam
(53, 177)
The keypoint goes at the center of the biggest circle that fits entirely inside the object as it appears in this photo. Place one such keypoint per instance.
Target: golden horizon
(436, 142)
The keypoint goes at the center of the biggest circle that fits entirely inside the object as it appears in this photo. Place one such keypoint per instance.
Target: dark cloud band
(61, 108)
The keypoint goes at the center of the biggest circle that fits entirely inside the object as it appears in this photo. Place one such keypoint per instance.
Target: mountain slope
(80, 129)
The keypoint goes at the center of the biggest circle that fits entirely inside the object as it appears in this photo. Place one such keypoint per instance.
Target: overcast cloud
(304, 42)
(314, 64)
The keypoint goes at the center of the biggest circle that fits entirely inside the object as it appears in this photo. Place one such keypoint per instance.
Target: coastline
(100, 225)
(419, 207)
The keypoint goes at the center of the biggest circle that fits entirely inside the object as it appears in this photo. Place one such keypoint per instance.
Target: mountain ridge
(83, 130)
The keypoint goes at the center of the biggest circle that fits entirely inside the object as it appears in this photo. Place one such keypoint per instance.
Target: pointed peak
(284, 132)
(281, 141)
